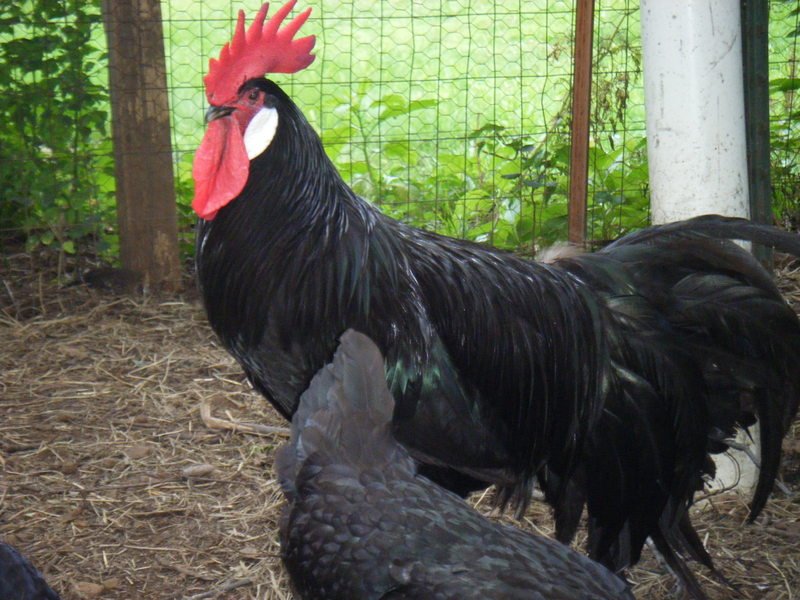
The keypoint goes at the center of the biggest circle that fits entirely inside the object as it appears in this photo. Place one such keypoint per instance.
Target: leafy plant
(53, 122)
(785, 112)
(430, 152)
(406, 178)
(530, 190)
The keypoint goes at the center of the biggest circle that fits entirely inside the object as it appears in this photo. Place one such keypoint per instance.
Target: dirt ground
(116, 487)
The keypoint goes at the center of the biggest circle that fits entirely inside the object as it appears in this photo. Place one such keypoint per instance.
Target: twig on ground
(213, 422)
(225, 587)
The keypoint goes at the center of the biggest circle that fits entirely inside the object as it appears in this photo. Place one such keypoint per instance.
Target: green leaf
(784, 84)
(415, 105)
(392, 105)
(489, 128)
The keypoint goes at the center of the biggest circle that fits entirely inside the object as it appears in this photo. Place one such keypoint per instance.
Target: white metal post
(695, 108)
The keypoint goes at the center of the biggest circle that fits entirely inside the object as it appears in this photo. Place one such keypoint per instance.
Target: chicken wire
(452, 115)
(785, 111)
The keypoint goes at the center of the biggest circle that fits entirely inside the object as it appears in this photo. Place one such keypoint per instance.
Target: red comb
(262, 49)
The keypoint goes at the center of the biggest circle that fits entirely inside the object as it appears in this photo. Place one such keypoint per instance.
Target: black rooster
(361, 523)
(609, 377)
(19, 579)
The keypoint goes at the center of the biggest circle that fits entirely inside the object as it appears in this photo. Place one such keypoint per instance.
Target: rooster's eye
(253, 96)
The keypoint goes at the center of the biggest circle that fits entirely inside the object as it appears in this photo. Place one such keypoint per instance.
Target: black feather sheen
(495, 361)
(361, 523)
(609, 377)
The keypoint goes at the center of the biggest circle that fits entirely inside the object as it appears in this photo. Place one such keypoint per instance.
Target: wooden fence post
(581, 101)
(146, 208)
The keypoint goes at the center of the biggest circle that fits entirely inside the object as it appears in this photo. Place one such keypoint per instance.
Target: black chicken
(19, 579)
(361, 523)
(609, 377)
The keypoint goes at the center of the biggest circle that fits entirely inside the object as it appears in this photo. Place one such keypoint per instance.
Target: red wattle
(220, 167)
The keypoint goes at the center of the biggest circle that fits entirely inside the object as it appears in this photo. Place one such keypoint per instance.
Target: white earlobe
(260, 131)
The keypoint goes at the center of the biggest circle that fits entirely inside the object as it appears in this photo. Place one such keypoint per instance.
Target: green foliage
(497, 184)
(785, 113)
(449, 126)
(506, 189)
(52, 121)
(620, 178)
(184, 189)
(408, 180)
(409, 148)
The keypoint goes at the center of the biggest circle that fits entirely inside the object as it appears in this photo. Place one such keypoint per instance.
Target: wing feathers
(346, 411)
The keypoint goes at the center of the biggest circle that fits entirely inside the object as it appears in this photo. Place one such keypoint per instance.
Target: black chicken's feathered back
(526, 337)
(361, 524)
(19, 579)
(345, 413)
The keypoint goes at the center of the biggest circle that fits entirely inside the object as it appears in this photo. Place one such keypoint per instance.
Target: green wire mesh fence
(452, 115)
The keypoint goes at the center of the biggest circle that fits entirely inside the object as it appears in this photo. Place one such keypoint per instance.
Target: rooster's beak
(217, 112)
